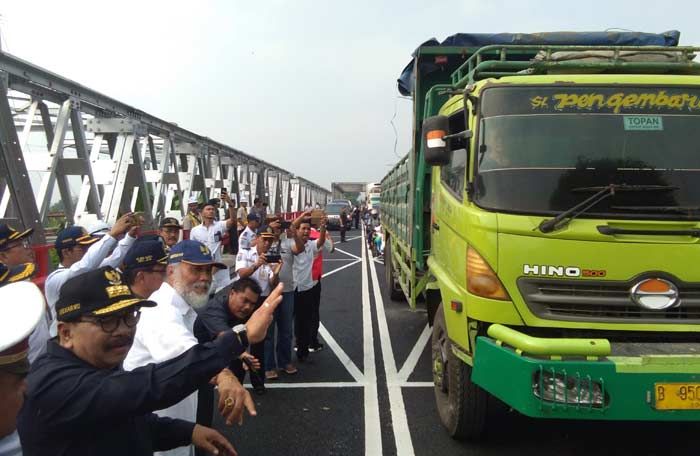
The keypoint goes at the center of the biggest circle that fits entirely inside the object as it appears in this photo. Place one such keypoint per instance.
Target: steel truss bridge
(104, 158)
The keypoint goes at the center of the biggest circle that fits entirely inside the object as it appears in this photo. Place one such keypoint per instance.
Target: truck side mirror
(435, 147)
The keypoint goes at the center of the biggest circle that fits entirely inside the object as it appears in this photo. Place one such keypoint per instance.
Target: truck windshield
(538, 145)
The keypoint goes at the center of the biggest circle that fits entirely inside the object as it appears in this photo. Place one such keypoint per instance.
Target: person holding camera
(264, 268)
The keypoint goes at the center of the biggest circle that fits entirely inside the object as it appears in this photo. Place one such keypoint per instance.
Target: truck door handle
(436, 227)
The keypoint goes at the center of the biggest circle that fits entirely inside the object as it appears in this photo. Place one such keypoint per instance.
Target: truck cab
(561, 229)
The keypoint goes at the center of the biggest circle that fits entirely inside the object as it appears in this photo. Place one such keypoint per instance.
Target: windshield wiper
(602, 192)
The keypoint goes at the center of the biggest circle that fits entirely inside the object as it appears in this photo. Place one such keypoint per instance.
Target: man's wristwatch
(242, 333)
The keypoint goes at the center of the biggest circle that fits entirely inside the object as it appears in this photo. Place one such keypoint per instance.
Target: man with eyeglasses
(16, 255)
(144, 267)
(79, 252)
(80, 402)
(15, 247)
(170, 232)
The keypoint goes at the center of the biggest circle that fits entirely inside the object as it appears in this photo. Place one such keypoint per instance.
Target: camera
(273, 257)
(285, 224)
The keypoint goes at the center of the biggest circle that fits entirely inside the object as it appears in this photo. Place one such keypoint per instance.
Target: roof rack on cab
(496, 61)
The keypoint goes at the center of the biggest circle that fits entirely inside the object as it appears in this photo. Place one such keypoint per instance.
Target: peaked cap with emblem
(9, 234)
(192, 252)
(105, 294)
(72, 236)
(144, 254)
(23, 308)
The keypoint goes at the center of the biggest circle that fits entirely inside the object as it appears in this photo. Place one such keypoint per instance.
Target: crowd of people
(123, 350)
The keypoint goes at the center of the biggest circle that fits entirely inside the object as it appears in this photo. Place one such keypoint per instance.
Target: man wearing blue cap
(144, 267)
(245, 240)
(79, 252)
(79, 401)
(17, 323)
(14, 246)
(167, 331)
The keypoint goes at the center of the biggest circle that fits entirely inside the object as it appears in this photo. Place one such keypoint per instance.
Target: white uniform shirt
(263, 275)
(245, 240)
(303, 263)
(94, 258)
(211, 236)
(164, 332)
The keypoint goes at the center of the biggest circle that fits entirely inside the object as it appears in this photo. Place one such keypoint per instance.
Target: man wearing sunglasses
(79, 252)
(144, 267)
(80, 402)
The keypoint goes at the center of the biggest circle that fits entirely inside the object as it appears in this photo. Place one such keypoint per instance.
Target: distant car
(333, 211)
(342, 201)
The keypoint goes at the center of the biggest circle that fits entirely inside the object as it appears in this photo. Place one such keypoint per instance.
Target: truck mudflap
(573, 383)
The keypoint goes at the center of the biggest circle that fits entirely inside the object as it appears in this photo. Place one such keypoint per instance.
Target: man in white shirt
(79, 252)
(167, 330)
(211, 233)
(304, 298)
(253, 263)
(245, 240)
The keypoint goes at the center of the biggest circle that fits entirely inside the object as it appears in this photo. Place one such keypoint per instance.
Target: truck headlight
(560, 388)
(481, 280)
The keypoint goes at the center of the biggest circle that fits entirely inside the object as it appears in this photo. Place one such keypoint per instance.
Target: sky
(307, 85)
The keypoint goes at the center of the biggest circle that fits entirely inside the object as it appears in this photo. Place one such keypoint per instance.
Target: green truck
(548, 218)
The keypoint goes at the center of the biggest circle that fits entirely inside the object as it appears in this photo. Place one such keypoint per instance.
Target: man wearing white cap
(16, 325)
(242, 214)
(192, 217)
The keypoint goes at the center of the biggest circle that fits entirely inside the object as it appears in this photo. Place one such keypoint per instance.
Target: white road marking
(373, 428)
(339, 259)
(282, 385)
(347, 253)
(402, 434)
(416, 384)
(341, 268)
(414, 356)
(341, 355)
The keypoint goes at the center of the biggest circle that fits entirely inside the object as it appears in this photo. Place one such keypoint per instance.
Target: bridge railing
(65, 147)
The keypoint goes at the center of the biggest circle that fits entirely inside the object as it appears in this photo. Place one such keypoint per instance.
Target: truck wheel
(395, 291)
(461, 404)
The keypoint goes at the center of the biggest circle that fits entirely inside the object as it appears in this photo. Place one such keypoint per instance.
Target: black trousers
(343, 228)
(303, 307)
(257, 378)
(315, 315)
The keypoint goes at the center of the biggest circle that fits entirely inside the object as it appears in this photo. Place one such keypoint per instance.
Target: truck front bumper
(581, 386)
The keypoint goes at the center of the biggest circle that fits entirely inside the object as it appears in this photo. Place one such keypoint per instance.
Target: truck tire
(395, 291)
(461, 404)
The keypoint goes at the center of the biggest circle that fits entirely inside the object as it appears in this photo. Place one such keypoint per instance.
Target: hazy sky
(307, 85)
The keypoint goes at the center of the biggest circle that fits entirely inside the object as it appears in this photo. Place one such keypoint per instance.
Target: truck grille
(604, 301)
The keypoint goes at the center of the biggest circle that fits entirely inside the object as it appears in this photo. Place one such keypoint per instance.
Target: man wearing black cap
(144, 267)
(79, 252)
(14, 246)
(78, 400)
(170, 231)
(17, 323)
(166, 331)
(212, 232)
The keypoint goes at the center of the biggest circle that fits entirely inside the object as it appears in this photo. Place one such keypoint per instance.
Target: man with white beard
(166, 331)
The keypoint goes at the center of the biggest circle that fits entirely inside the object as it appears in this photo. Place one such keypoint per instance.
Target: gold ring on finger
(228, 402)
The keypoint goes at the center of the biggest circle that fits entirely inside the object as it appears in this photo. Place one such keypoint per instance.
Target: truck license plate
(677, 396)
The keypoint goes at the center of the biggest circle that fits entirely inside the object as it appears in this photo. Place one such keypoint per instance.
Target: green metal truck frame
(485, 347)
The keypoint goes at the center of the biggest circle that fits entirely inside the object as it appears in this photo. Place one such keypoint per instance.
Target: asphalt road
(369, 392)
